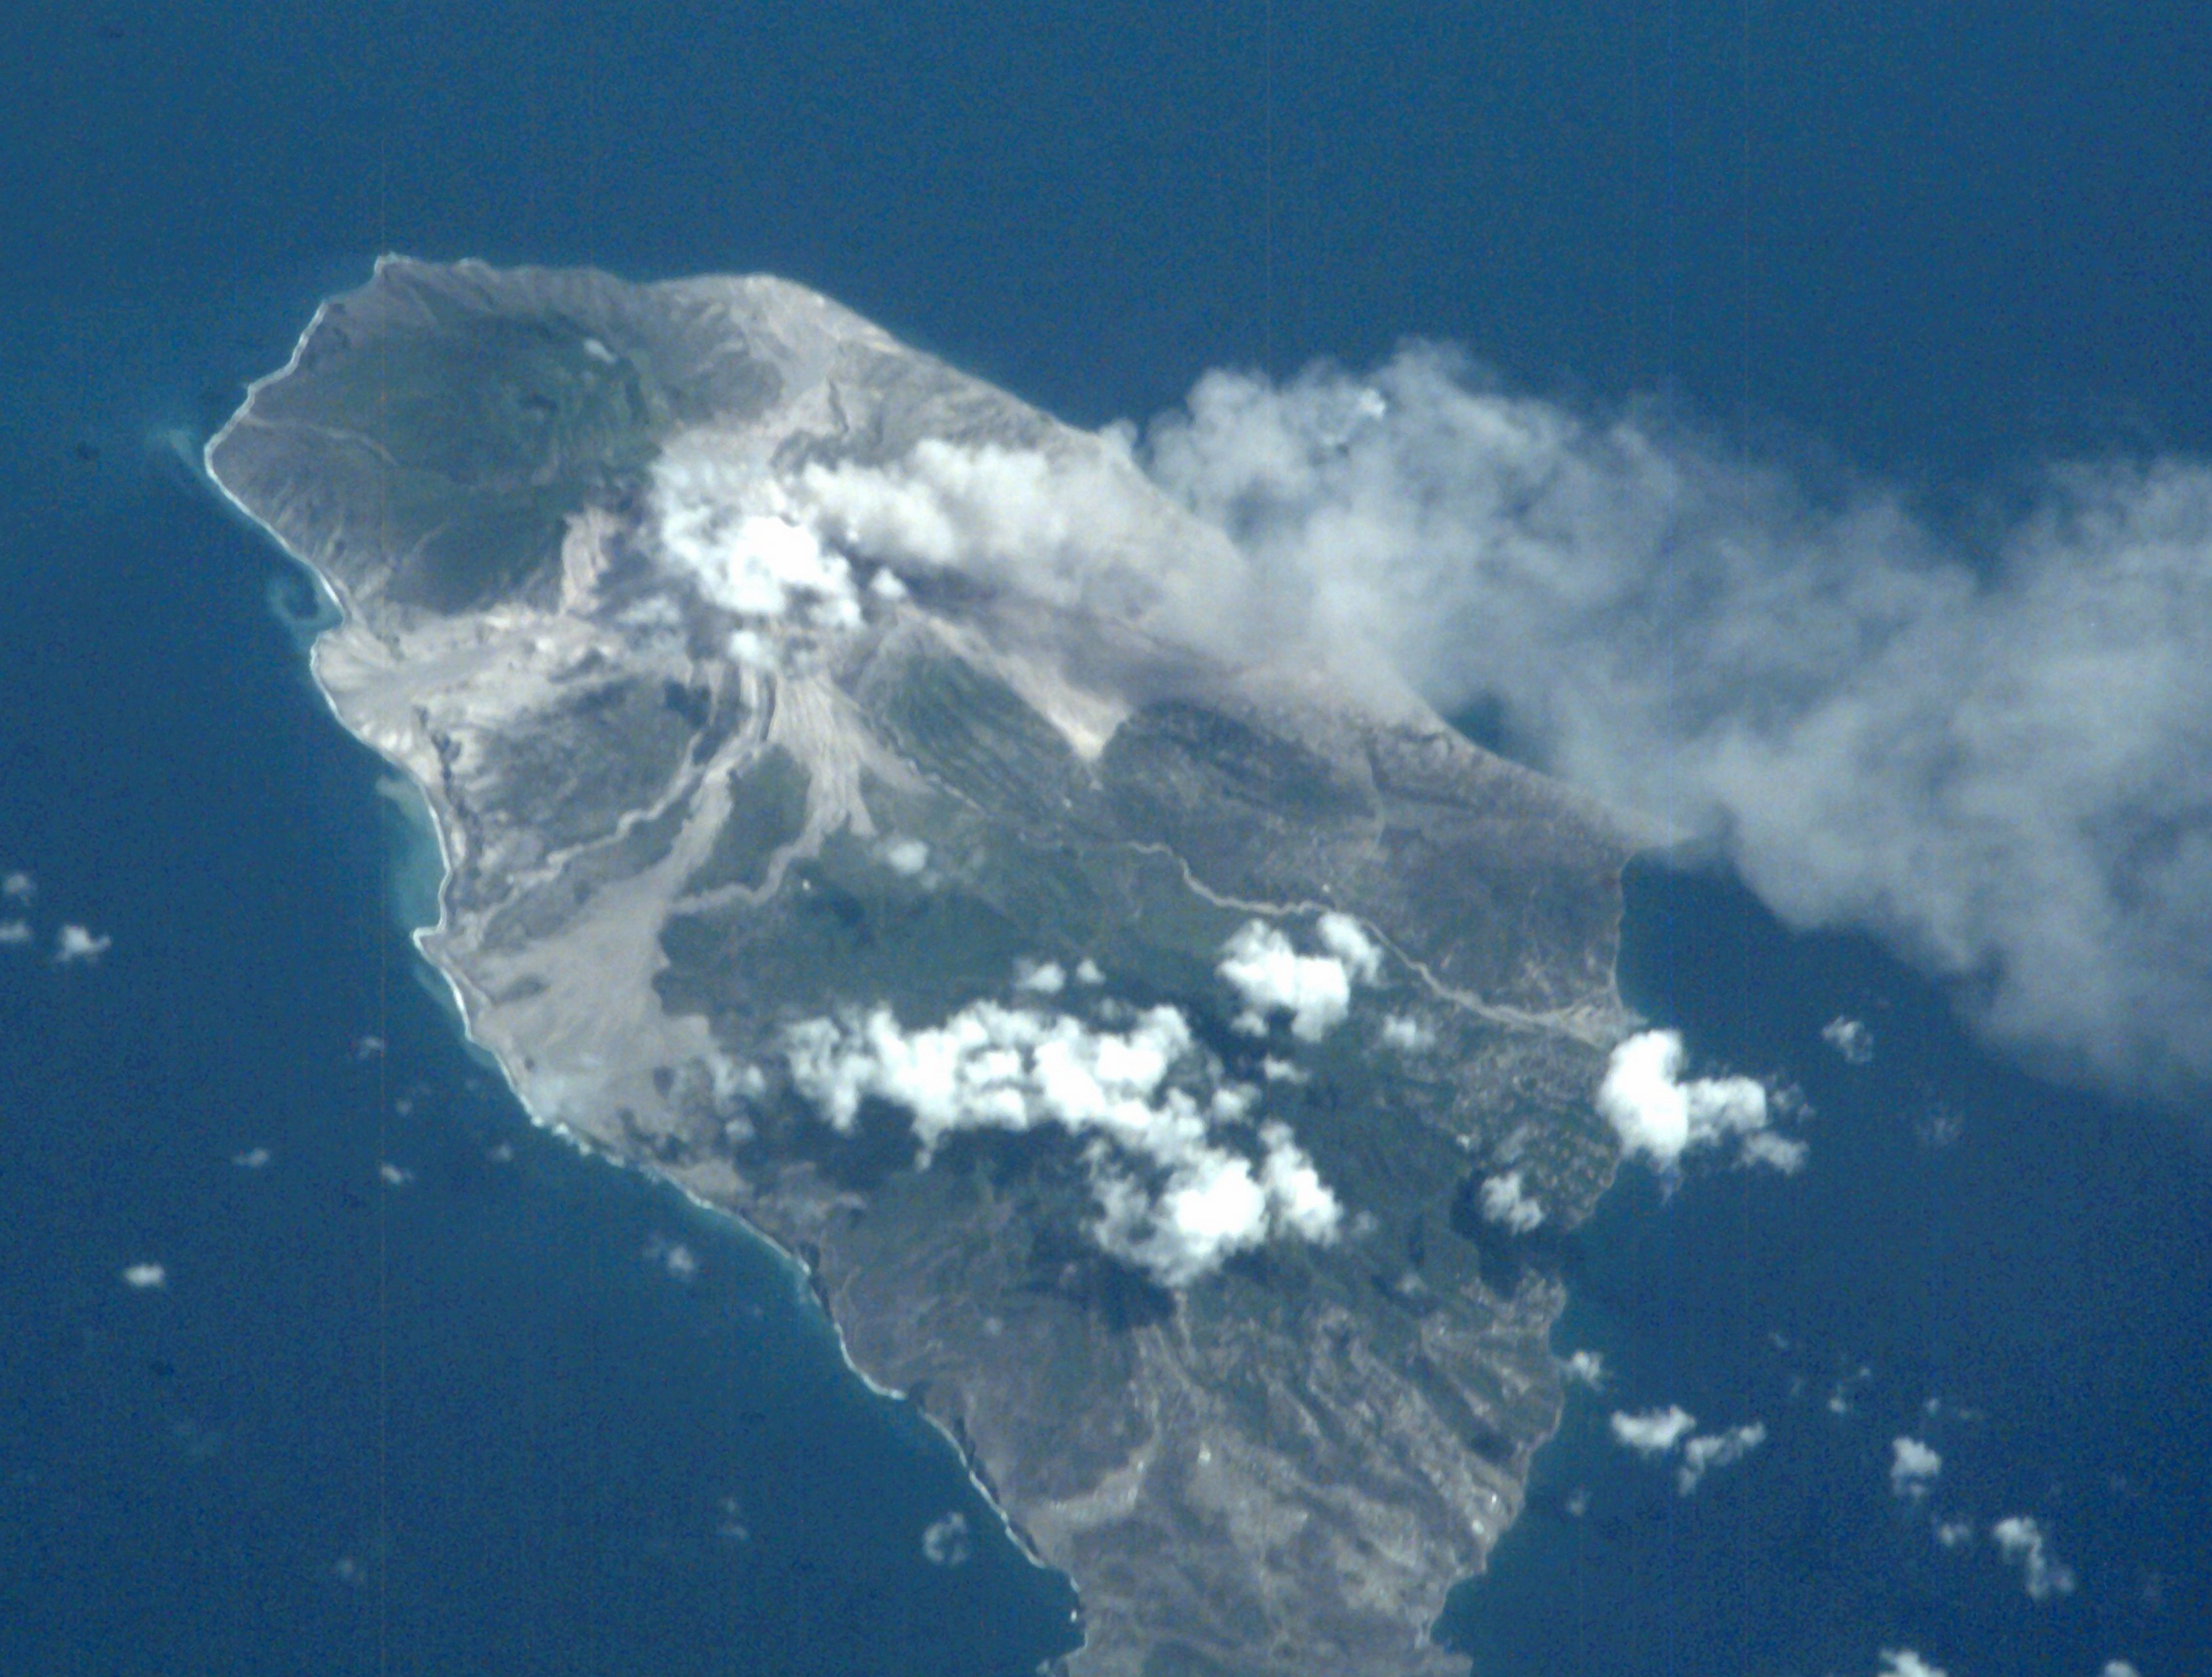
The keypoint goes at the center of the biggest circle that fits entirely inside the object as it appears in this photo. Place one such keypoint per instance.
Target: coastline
(804, 1279)
(467, 1006)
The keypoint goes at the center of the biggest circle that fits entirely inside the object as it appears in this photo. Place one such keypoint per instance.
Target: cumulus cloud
(672, 1256)
(1509, 1204)
(1043, 978)
(2118, 1668)
(143, 1278)
(733, 528)
(1850, 1038)
(14, 931)
(2022, 1542)
(907, 856)
(1701, 1455)
(1912, 1467)
(1401, 1030)
(1981, 749)
(253, 1158)
(1584, 1367)
(1182, 1180)
(1655, 1433)
(1955, 1534)
(944, 1541)
(1904, 1662)
(73, 943)
(18, 886)
(1658, 1113)
(1265, 971)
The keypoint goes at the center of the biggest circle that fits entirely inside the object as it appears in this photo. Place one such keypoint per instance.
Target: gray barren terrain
(1115, 1017)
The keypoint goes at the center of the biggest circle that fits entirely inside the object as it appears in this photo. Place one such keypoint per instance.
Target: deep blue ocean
(473, 1419)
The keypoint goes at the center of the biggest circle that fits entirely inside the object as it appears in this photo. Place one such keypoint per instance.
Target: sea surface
(422, 1390)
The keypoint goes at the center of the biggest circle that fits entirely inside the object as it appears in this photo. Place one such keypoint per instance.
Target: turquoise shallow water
(473, 1419)
(473, 1422)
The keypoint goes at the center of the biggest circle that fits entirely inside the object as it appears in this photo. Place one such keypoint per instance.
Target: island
(866, 802)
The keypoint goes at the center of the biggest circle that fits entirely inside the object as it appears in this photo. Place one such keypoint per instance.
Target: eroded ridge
(860, 807)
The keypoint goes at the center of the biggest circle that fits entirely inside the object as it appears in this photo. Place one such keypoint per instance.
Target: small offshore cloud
(1182, 1179)
(1904, 1662)
(1506, 1203)
(1270, 977)
(1953, 1534)
(1701, 1455)
(1850, 1038)
(253, 1158)
(1584, 1367)
(14, 932)
(393, 1175)
(2022, 1542)
(944, 1541)
(1660, 1115)
(1913, 1466)
(18, 886)
(2118, 1668)
(145, 1278)
(1653, 1433)
(74, 945)
(672, 1256)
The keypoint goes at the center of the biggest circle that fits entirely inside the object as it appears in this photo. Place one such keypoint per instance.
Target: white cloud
(1265, 971)
(1401, 1030)
(14, 931)
(1042, 978)
(2118, 1668)
(145, 1277)
(1775, 1152)
(944, 1541)
(1850, 1038)
(1982, 751)
(74, 943)
(253, 1158)
(19, 886)
(1955, 1534)
(1346, 939)
(1177, 1194)
(1657, 1113)
(732, 527)
(1507, 1203)
(907, 856)
(393, 1175)
(1655, 1433)
(672, 1256)
(1904, 1662)
(1584, 1368)
(1701, 1455)
(1076, 524)
(2022, 1542)
(1913, 1466)
(1087, 972)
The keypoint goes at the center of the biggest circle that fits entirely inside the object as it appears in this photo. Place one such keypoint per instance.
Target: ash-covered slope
(867, 804)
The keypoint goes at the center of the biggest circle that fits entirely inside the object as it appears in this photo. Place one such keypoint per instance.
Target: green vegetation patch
(767, 810)
(483, 432)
